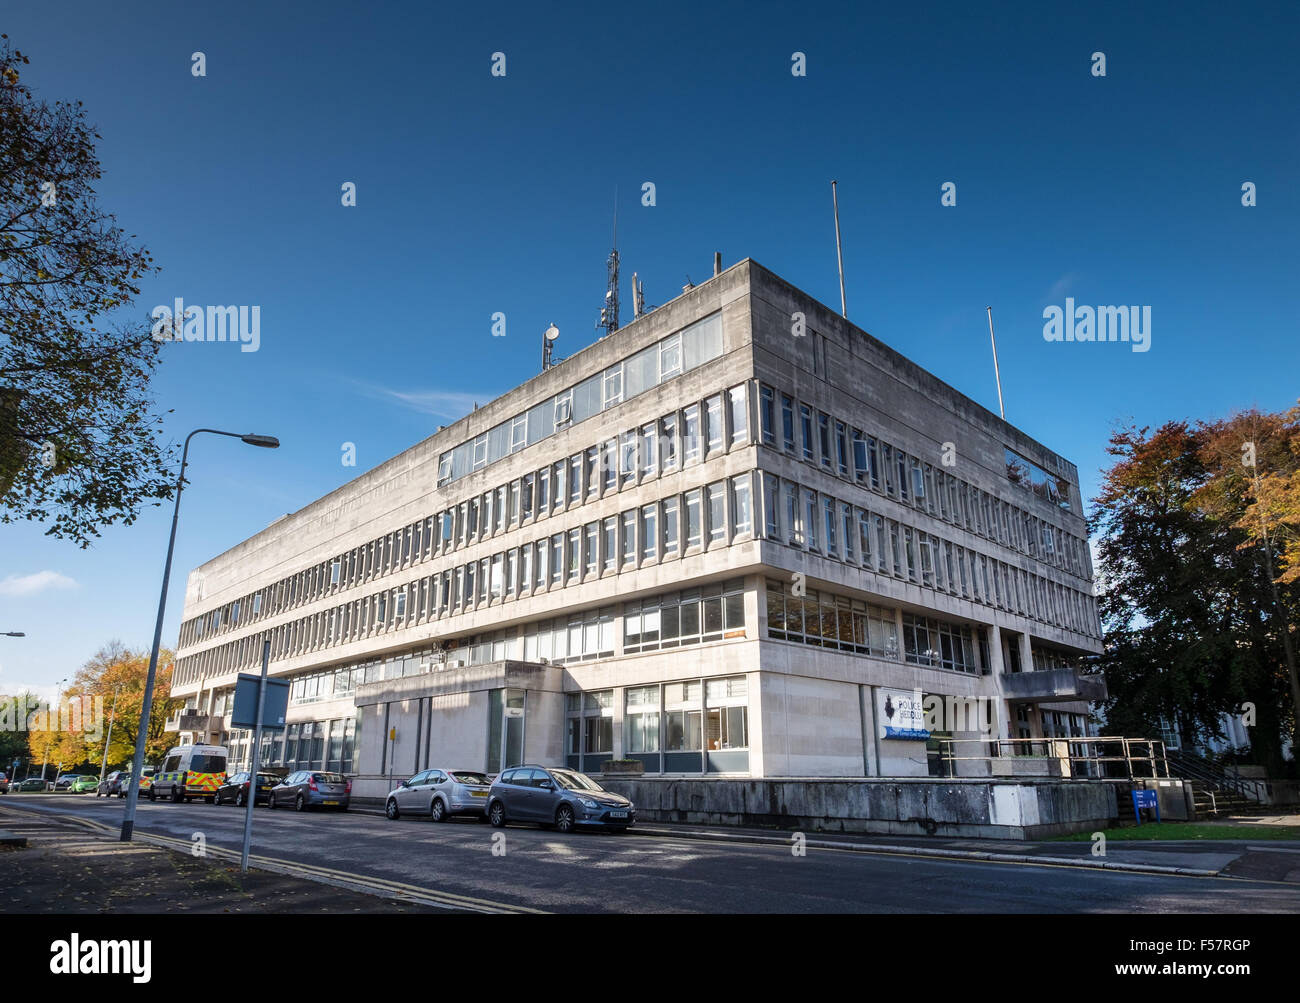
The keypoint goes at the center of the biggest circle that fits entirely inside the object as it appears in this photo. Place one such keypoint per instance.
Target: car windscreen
(576, 781)
(208, 764)
(478, 779)
(327, 778)
(266, 778)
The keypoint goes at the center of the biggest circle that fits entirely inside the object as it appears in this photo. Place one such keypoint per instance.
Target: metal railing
(1102, 758)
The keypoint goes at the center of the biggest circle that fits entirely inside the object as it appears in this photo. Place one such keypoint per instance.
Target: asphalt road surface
(629, 873)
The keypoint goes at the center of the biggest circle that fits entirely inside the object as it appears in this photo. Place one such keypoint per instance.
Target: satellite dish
(552, 333)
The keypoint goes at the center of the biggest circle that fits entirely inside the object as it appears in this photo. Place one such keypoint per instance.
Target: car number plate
(478, 794)
(618, 814)
(331, 802)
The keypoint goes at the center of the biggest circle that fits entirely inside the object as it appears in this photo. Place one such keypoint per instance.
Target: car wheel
(270, 801)
(497, 814)
(564, 818)
(239, 800)
(300, 803)
(177, 796)
(437, 811)
(152, 795)
(391, 810)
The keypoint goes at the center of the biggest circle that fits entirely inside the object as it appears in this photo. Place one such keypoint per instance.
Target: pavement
(466, 866)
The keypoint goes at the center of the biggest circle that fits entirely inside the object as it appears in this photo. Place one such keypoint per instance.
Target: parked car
(311, 789)
(4, 784)
(84, 784)
(440, 794)
(235, 789)
(190, 771)
(33, 785)
(565, 799)
(111, 783)
(65, 781)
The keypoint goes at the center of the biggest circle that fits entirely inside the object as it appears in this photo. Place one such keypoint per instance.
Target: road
(603, 873)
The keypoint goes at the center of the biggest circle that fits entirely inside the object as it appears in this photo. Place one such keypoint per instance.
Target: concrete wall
(976, 808)
(811, 727)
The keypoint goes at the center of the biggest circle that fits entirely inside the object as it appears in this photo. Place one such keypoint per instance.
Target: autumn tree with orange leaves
(1199, 578)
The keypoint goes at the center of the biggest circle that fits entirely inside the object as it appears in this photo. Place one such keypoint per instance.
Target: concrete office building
(738, 537)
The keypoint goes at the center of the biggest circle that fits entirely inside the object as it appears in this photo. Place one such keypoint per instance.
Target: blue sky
(478, 194)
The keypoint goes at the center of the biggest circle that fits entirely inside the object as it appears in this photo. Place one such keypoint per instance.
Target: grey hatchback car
(565, 799)
(440, 794)
(311, 789)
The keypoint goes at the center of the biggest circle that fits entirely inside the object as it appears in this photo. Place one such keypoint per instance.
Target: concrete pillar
(1026, 653)
(1001, 711)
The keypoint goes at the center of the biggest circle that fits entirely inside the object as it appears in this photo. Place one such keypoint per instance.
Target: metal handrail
(1089, 750)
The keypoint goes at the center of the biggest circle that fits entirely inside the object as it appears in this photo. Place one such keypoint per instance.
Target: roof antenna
(689, 284)
(996, 372)
(609, 312)
(839, 252)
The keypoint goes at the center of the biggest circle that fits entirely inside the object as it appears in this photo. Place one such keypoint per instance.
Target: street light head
(14, 633)
(265, 441)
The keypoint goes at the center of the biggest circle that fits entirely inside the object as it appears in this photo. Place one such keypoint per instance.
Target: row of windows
(845, 450)
(831, 621)
(713, 515)
(313, 745)
(812, 521)
(670, 357)
(690, 435)
(664, 718)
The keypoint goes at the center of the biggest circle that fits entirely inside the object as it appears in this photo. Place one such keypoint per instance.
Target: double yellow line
(382, 886)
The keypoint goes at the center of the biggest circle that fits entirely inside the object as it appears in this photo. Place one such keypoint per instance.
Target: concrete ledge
(12, 840)
(982, 808)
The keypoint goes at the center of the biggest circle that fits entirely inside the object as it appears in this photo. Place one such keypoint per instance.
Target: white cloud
(1062, 286)
(447, 405)
(29, 585)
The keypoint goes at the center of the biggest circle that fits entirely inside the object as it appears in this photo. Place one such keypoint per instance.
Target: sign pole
(257, 748)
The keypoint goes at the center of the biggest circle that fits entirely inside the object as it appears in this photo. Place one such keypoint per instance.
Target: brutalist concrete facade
(406, 604)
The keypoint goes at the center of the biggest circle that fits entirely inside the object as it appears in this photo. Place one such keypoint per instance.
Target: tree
(117, 668)
(14, 737)
(1195, 624)
(79, 442)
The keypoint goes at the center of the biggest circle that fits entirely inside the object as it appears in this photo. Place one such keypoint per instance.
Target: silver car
(311, 789)
(440, 794)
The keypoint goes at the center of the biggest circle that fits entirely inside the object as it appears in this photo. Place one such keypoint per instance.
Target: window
(771, 506)
(694, 528)
(649, 450)
(628, 530)
(787, 423)
(739, 410)
(669, 443)
(575, 548)
(609, 543)
(806, 429)
(717, 512)
(614, 385)
(683, 723)
(825, 620)
(543, 491)
(846, 513)
(399, 611)
(828, 508)
(691, 433)
(670, 357)
(334, 571)
(864, 537)
(590, 534)
(563, 408)
(934, 642)
(641, 719)
(794, 532)
(741, 512)
(694, 616)
(575, 479)
(609, 457)
(526, 497)
(649, 532)
(842, 449)
(480, 452)
(670, 527)
(726, 713)
(627, 458)
(767, 415)
(713, 424)
(557, 558)
(810, 518)
(824, 438)
(518, 432)
(592, 470)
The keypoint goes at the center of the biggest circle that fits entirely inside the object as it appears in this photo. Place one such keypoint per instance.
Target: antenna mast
(609, 312)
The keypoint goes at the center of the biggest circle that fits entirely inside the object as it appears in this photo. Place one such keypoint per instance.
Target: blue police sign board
(1145, 799)
(244, 712)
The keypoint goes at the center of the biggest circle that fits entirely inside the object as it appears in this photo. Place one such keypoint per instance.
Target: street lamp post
(45, 758)
(13, 633)
(146, 706)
